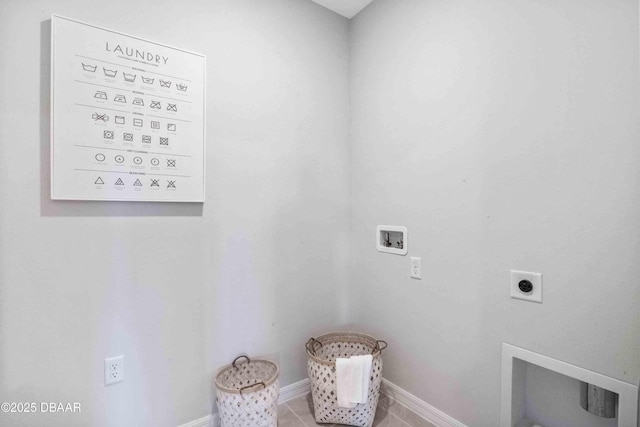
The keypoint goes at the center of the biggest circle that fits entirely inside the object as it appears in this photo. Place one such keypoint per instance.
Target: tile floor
(299, 413)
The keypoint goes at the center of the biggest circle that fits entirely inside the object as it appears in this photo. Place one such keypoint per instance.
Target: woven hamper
(322, 353)
(247, 393)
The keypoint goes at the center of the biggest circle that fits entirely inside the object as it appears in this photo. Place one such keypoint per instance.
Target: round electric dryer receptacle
(525, 286)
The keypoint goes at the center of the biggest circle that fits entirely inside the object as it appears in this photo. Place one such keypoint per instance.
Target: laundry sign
(127, 117)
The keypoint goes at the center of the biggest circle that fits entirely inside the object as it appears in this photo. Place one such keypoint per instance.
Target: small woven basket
(247, 393)
(322, 353)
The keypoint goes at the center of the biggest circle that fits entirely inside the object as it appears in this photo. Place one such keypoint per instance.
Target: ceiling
(346, 8)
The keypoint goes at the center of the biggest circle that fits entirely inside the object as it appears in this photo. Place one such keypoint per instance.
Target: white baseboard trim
(287, 393)
(294, 390)
(420, 407)
(208, 421)
(401, 396)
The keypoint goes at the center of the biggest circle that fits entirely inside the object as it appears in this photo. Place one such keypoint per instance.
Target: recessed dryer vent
(391, 239)
(540, 391)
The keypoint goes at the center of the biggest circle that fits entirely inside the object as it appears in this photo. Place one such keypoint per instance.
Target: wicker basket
(321, 367)
(247, 393)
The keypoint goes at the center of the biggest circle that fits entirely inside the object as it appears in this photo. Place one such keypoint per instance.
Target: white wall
(504, 135)
(179, 289)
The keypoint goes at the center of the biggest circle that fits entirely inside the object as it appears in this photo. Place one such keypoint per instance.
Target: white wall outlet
(416, 267)
(526, 286)
(113, 370)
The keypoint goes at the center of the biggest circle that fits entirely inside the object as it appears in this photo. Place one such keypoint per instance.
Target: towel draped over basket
(322, 353)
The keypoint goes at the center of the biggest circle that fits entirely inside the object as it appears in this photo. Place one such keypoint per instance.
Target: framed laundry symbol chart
(127, 117)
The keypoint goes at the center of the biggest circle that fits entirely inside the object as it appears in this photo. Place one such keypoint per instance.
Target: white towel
(361, 378)
(352, 380)
(344, 374)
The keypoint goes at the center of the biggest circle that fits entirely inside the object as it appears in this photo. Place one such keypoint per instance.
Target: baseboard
(294, 390)
(287, 393)
(401, 396)
(420, 407)
(208, 421)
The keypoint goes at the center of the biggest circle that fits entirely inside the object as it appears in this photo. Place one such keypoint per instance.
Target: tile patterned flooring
(299, 413)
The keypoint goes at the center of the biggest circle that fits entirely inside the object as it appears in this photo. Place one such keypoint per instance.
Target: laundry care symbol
(164, 141)
(165, 83)
(156, 105)
(89, 68)
(108, 134)
(137, 183)
(119, 120)
(172, 107)
(155, 162)
(109, 73)
(171, 184)
(155, 182)
(139, 102)
(129, 77)
(99, 181)
(127, 136)
(171, 127)
(137, 160)
(100, 157)
(101, 95)
(147, 80)
(181, 87)
(171, 163)
(146, 139)
(119, 182)
(119, 158)
(155, 125)
(137, 122)
(100, 117)
(120, 98)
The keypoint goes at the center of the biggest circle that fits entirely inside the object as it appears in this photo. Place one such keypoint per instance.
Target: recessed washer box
(392, 239)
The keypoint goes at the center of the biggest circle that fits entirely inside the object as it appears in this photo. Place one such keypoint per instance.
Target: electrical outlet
(416, 268)
(526, 286)
(113, 370)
